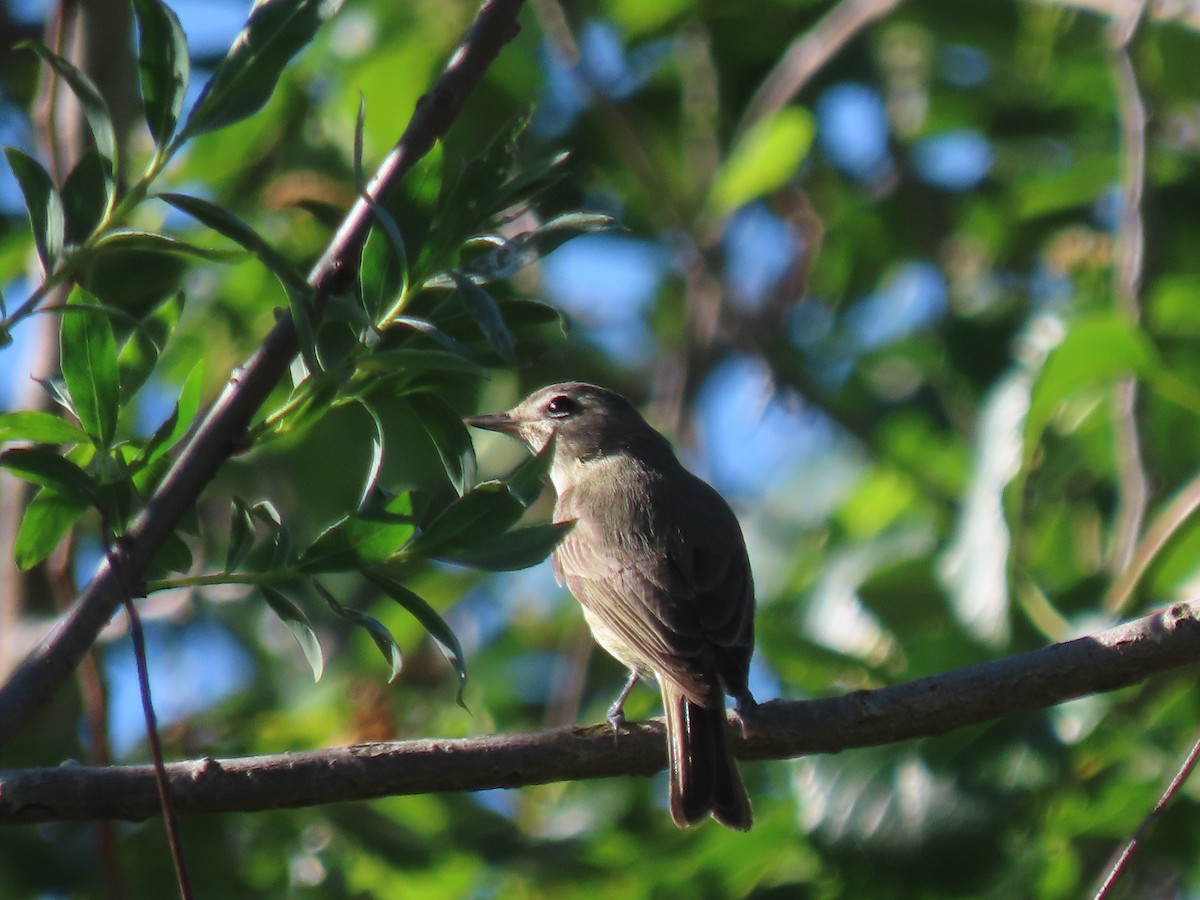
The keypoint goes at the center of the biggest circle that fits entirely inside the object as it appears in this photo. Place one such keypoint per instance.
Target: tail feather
(704, 776)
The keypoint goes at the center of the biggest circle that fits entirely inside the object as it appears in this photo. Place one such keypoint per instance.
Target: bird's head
(586, 421)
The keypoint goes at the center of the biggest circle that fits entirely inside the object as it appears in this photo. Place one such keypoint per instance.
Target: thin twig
(161, 781)
(1133, 490)
(1185, 502)
(1143, 830)
(807, 54)
(1106, 661)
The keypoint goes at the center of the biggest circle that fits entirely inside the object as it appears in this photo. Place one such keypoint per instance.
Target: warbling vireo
(657, 561)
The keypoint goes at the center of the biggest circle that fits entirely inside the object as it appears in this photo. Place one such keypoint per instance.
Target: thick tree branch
(1106, 661)
(44, 671)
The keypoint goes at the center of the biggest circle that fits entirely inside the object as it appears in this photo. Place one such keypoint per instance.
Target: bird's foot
(746, 707)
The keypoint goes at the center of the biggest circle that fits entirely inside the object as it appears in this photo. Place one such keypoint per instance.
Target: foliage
(929, 476)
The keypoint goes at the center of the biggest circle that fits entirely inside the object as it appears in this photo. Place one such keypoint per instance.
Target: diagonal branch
(809, 53)
(1105, 661)
(43, 672)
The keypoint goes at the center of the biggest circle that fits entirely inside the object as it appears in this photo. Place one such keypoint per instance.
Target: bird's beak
(502, 422)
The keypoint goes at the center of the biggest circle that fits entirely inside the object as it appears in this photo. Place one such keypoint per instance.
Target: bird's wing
(708, 554)
(645, 608)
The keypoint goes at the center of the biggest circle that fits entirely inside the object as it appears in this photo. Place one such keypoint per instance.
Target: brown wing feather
(682, 606)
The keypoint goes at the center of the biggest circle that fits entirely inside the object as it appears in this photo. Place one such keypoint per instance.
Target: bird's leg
(616, 712)
(745, 705)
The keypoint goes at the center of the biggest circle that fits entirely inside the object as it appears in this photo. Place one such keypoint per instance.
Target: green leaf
(427, 328)
(330, 551)
(295, 619)
(507, 257)
(152, 242)
(472, 519)
(381, 530)
(39, 428)
(226, 223)
(138, 357)
(428, 617)
(763, 161)
(306, 336)
(410, 365)
(383, 270)
(176, 425)
(43, 204)
(527, 480)
(89, 366)
(1098, 349)
(449, 435)
(241, 534)
(135, 272)
(174, 555)
(50, 470)
(245, 79)
(376, 463)
(461, 210)
(47, 518)
(485, 312)
(377, 630)
(376, 535)
(85, 197)
(516, 549)
(163, 66)
(360, 124)
(95, 110)
(281, 536)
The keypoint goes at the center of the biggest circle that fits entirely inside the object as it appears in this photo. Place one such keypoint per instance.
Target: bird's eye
(561, 407)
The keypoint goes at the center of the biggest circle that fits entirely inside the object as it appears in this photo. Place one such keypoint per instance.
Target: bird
(657, 560)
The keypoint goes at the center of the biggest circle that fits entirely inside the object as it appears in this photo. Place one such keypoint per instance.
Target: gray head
(588, 421)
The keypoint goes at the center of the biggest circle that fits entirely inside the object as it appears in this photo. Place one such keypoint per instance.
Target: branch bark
(1106, 661)
(41, 674)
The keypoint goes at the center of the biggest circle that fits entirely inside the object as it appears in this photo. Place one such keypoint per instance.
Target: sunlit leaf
(376, 463)
(149, 241)
(445, 428)
(85, 197)
(245, 79)
(174, 555)
(163, 66)
(89, 366)
(763, 161)
(527, 481)
(50, 470)
(383, 271)
(516, 549)
(226, 223)
(1097, 349)
(241, 534)
(47, 518)
(43, 205)
(330, 551)
(297, 622)
(486, 314)
(408, 365)
(181, 418)
(39, 428)
(95, 110)
(474, 518)
(377, 630)
(446, 640)
(140, 354)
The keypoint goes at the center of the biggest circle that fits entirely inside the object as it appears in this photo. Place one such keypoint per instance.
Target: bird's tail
(704, 774)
